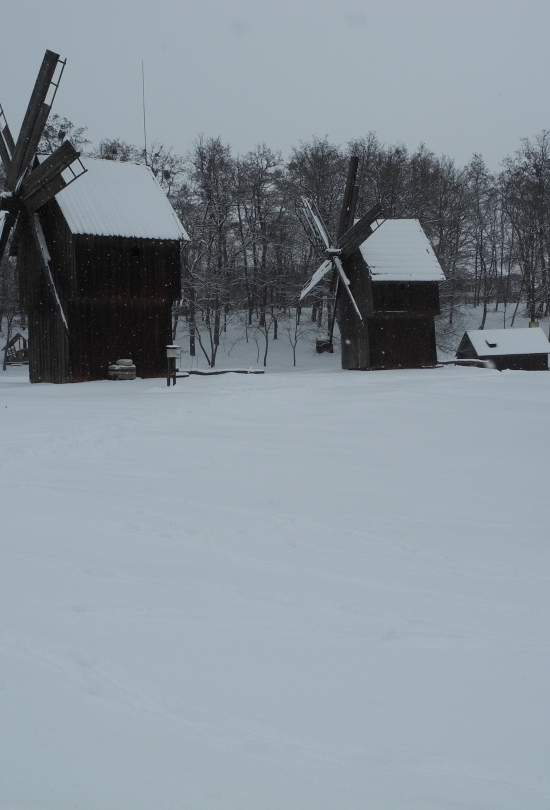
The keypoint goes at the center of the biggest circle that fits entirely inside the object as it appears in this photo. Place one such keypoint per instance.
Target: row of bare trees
(491, 231)
(248, 255)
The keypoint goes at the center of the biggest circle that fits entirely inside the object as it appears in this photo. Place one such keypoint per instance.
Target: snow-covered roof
(491, 342)
(115, 198)
(399, 250)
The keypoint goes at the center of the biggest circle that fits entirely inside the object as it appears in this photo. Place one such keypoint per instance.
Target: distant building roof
(494, 342)
(399, 250)
(115, 198)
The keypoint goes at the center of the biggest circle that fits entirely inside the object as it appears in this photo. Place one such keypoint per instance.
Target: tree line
(249, 256)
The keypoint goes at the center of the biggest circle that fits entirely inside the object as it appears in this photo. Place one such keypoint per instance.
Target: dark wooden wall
(122, 303)
(419, 297)
(401, 328)
(521, 362)
(103, 331)
(402, 341)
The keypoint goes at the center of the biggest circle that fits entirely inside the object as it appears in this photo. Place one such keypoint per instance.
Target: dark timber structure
(520, 349)
(98, 261)
(391, 277)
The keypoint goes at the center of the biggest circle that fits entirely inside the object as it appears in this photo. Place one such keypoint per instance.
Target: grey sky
(461, 76)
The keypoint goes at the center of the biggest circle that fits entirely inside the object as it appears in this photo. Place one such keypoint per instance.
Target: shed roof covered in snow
(507, 342)
(119, 199)
(399, 250)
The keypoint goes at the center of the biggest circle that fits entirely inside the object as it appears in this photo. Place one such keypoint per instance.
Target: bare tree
(59, 129)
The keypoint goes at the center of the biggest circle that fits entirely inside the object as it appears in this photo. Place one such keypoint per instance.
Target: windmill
(390, 275)
(32, 183)
(340, 258)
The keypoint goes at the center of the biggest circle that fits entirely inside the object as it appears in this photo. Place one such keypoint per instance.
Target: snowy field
(298, 591)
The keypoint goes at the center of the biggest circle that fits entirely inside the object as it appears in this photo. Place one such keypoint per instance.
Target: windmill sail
(344, 281)
(314, 222)
(34, 120)
(45, 257)
(317, 277)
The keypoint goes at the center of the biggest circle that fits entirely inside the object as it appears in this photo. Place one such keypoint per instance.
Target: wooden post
(170, 371)
(171, 365)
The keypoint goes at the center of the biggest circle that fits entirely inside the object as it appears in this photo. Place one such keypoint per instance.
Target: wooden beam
(349, 203)
(33, 140)
(356, 235)
(34, 116)
(45, 193)
(49, 169)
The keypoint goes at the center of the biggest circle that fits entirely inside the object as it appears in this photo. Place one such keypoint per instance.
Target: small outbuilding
(524, 349)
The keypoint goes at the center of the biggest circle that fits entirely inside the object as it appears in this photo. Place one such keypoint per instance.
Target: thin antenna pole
(144, 115)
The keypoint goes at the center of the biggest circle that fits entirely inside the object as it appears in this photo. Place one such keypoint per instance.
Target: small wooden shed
(115, 245)
(524, 349)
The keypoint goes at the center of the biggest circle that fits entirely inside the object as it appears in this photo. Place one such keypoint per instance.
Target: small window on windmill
(492, 344)
(136, 252)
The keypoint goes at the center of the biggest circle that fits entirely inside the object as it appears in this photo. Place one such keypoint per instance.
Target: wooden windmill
(341, 262)
(32, 184)
(99, 261)
(389, 274)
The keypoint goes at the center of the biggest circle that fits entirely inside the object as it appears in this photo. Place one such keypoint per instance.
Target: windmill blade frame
(36, 116)
(52, 165)
(312, 218)
(354, 237)
(10, 221)
(326, 267)
(48, 178)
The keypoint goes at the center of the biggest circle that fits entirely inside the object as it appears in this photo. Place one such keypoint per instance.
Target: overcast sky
(460, 76)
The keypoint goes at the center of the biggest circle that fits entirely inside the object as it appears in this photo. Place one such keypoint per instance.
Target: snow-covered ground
(310, 589)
